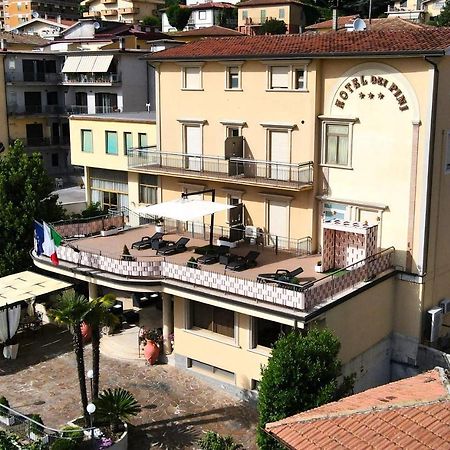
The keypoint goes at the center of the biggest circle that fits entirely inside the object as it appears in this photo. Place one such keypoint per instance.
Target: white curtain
(14, 319)
(3, 326)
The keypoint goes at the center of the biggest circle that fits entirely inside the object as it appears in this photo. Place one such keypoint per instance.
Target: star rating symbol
(371, 96)
(361, 95)
(380, 96)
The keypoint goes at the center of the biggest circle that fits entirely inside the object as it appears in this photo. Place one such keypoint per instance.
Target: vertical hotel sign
(369, 87)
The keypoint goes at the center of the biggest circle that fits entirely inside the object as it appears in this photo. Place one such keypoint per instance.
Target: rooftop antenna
(359, 25)
(370, 12)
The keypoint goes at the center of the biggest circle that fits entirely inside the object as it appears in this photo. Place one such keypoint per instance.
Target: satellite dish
(35, 15)
(96, 25)
(359, 25)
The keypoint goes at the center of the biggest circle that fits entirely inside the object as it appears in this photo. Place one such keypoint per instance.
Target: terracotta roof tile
(387, 42)
(215, 30)
(408, 414)
(266, 2)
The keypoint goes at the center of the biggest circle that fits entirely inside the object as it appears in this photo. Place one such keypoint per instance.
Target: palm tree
(70, 312)
(97, 317)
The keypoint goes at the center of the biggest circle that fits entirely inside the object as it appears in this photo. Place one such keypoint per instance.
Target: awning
(22, 286)
(183, 209)
(86, 64)
(71, 64)
(102, 63)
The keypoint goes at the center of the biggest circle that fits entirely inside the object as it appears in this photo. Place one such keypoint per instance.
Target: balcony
(109, 12)
(33, 77)
(101, 257)
(77, 109)
(106, 109)
(92, 14)
(43, 141)
(128, 10)
(235, 170)
(25, 110)
(94, 78)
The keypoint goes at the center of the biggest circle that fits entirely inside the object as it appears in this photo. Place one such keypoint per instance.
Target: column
(93, 293)
(167, 313)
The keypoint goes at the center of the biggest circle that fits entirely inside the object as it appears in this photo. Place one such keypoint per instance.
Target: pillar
(93, 293)
(167, 315)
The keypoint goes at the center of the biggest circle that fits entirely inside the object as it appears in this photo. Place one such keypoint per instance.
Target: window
(266, 333)
(86, 141)
(109, 187)
(244, 14)
(212, 318)
(279, 77)
(127, 142)
(281, 13)
(55, 160)
(233, 77)
(233, 131)
(299, 79)
(202, 15)
(148, 189)
(111, 143)
(142, 140)
(52, 98)
(333, 211)
(336, 144)
(110, 201)
(263, 15)
(192, 78)
(208, 368)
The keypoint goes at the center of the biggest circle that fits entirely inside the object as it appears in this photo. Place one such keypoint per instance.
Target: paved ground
(177, 407)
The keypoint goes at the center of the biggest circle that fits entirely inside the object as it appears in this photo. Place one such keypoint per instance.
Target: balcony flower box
(318, 267)
(111, 231)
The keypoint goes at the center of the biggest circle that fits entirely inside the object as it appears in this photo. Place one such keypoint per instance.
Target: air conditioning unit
(251, 232)
(433, 323)
(445, 305)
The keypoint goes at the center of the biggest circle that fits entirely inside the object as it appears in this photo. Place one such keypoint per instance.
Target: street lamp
(90, 375)
(90, 408)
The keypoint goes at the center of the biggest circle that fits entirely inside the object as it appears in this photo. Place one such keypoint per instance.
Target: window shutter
(192, 78)
(280, 77)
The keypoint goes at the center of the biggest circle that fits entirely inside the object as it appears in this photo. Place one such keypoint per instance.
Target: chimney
(3, 45)
(335, 5)
(58, 18)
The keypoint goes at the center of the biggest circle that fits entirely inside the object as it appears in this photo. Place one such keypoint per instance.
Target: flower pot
(38, 437)
(86, 332)
(318, 268)
(110, 232)
(159, 228)
(7, 420)
(151, 352)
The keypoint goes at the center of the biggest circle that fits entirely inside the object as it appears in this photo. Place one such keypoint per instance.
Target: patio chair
(280, 275)
(213, 256)
(243, 262)
(146, 241)
(174, 247)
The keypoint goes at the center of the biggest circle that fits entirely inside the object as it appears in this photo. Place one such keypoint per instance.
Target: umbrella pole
(211, 229)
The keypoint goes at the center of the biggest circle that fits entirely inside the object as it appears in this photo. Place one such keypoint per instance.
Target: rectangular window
(199, 366)
(55, 160)
(281, 13)
(244, 14)
(279, 77)
(336, 144)
(212, 318)
(127, 142)
(266, 332)
(142, 140)
(299, 80)
(233, 77)
(233, 131)
(202, 15)
(192, 78)
(263, 15)
(111, 144)
(148, 189)
(333, 211)
(86, 141)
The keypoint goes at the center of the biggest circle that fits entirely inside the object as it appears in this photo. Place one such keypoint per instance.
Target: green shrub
(64, 444)
(73, 432)
(214, 441)
(4, 402)
(33, 427)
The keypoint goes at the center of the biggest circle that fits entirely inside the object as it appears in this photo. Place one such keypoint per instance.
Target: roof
(410, 413)
(210, 5)
(21, 286)
(267, 2)
(396, 23)
(17, 38)
(433, 41)
(215, 30)
(63, 23)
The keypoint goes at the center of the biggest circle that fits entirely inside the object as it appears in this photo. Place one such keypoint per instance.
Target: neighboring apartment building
(205, 15)
(128, 11)
(253, 13)
(200, 33)
(17, 12)
(418, 11)
(45, 28)
(337, 143)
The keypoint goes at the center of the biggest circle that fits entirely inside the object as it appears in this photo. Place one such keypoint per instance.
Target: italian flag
(51, 240)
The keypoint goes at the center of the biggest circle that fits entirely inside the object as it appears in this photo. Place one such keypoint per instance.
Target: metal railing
(77, 109)
(92, 78)
(36, 109)
(27, 429)
(260, 172)
(35, 77)
(42, 141)
(106, 109)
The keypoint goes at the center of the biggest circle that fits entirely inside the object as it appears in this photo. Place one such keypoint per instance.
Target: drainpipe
(431, 147)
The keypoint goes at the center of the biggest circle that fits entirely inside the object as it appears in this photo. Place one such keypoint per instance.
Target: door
(193, 147)
(35, 134)
(279, 153)
(33, 102)
(278, 223)
(55, 133)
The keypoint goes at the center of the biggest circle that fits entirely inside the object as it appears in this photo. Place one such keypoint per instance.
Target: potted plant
(5, 417)
(318, 267)
(126, 255)
(109, 231)
(159, 225)
(35, 432)
(152, 347)
(192, 263)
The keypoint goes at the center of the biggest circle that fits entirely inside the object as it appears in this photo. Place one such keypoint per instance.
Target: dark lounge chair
(280, 275)
(146, 241)
(213, 256)
(243, 262)
(174, 247)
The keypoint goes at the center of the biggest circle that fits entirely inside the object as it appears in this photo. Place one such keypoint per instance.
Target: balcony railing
(43, 141)
(106, 109)
(92, 78)
(238, 169)
(77, 109)
(27, 77)
(36, 109)
(128, 10)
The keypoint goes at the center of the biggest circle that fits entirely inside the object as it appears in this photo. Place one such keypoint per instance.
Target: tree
(24, 195)
(152, 21)
(97, 317)
(443, 20)
(273, 26)
(178, 17)
(70, 311)
(301, 374)
(214, 441)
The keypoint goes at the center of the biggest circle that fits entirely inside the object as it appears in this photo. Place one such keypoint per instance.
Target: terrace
(102, 257)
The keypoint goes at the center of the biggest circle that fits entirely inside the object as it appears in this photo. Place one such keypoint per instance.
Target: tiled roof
(386, 42)
(411, 413)
(31, 39)
(210, 5)
(215, 30)
(266, 2)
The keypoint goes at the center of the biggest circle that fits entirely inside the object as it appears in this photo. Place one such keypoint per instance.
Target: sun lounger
(280, 275)
(174, 247)
(243, 262)
(212, 257)
(146, 241)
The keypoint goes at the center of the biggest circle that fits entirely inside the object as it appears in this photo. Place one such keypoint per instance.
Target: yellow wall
(292, 14)
(3, 112)
(110, 11)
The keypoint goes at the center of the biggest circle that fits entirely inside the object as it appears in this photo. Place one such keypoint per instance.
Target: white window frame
(233, 124)
(292, 68)
(228, 65)
(202, 13)
(184, 67)
(337, 121)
